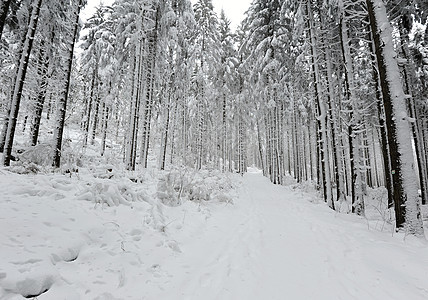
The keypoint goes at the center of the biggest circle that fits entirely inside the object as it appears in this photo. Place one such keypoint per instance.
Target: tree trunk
(62, 103)
(406, 201)
(260, 148)
(322, 114)
(89, 110)
(42, 73)
(134, 109)
(19, 83)
(382, 125)
(311, 155)
(354, 147)
(296, 143)
(4, 8)
(166, 133)
(367, 158)
(337, 159)
(4, 129)
(96, 119)
(408, 71)
(104, 131)
(150, 83)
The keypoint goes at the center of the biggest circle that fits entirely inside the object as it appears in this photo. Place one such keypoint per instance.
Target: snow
(270, 242)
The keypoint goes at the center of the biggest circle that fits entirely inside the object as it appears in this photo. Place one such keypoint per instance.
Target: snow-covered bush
(187, 184)
(112, 192)
(376, 203)
(40, 155)
(173, 185)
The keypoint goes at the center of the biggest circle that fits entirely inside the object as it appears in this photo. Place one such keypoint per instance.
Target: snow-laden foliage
(184, 184)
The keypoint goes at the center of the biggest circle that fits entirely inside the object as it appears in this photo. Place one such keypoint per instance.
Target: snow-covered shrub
(173, 185)
(112, 192)
(103, 171)
(376, 203)
(71, 157)
(305, 187)
(31, 160)
(199, 192)
(21, 168)
(289, 180)
(188, 184)
(40, 155)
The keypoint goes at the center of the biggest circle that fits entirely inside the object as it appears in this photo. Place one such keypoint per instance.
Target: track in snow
(275, 244)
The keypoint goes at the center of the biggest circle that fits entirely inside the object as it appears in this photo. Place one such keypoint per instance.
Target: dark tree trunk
(96, 119)
(321, 113)
(42, 73)
(165, 141)
(89, 110)
(105, 124)
(382, 126)
(406, 202)
(135, 105)
(354, 120)
(4, 130)
(150, 84)
(260, 148)
(19, 83)
(368, 162)
(4, 8)
(62, 102)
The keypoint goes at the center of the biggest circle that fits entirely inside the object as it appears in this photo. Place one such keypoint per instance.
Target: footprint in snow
(155, 270)
(136, 234)
(173, 245)
(158, 272)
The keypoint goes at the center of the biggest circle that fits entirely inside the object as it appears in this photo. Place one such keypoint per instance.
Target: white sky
(89, 8)
(234, 9)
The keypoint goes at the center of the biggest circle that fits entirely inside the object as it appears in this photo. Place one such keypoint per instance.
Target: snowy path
(272, 243)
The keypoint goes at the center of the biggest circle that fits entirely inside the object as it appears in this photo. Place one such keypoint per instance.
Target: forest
(328, 91)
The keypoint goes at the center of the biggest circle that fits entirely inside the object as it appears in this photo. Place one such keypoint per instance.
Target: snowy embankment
(270, 242)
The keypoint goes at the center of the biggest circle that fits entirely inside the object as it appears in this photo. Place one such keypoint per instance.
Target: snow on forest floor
(59, 239)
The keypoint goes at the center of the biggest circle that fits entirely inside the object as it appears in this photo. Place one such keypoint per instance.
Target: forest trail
(275, 244)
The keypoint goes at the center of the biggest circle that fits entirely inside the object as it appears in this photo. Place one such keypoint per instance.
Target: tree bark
(382, 125)
(408, 71)
(62, 103)
(19, 83)
(322, 113)
(406, 201)
(150, 84)
(134, 109)
(354, 148)
(42, 73)
(89, 109)
(104, 131)
(4, 8)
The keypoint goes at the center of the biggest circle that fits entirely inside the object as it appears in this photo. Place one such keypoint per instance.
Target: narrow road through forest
(272, 243)
(275, 244)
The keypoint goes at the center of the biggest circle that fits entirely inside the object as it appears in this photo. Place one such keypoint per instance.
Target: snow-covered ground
(270, 242)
